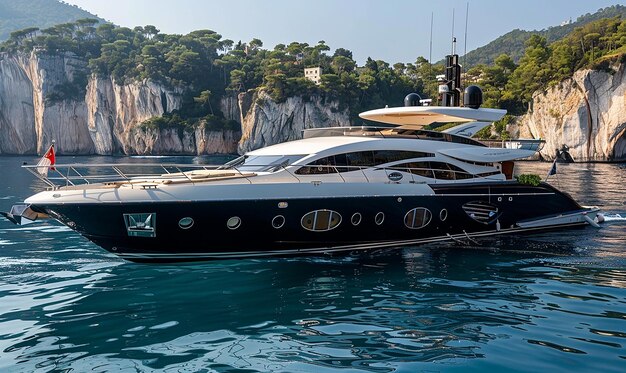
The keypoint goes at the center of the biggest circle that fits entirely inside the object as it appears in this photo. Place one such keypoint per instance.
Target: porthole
(417, 218)
(379, 218)
(443, 214)
(355, 219)
(321, 220)
(234, 222)
(185, 223)
(278, 221)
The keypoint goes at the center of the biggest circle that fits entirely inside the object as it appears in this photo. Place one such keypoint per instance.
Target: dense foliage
(17, 15)
(210, 67)
(594, 45)
(513, 42)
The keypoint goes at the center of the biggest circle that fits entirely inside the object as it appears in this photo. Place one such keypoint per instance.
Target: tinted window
(320, 220)
(417, 218)
(258, 163)
(387, 156)
(361, 159)
(417, 168)
(442, 171)
(437, 170)
(356, 160)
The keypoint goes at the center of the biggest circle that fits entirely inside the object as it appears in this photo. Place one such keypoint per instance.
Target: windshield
(261, 163)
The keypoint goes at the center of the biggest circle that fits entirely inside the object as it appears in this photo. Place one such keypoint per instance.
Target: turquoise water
(548, 302)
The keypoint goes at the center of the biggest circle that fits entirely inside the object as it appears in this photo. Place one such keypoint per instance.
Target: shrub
(528, 179)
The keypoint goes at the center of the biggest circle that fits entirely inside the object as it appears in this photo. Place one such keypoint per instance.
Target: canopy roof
(416, 117)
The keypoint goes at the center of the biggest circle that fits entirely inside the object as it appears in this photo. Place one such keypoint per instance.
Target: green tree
(533, 71)
(205, 100)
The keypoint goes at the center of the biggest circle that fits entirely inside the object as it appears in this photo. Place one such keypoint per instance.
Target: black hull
(210, 238)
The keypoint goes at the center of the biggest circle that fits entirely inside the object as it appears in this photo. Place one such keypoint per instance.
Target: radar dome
(412, 99)
(473, 97)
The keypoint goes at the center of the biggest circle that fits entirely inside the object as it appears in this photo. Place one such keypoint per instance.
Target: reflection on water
(546, 302)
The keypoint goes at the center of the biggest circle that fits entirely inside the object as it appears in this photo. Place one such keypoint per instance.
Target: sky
(391, 30)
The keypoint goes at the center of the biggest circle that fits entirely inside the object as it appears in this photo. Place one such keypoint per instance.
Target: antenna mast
(430, 51)
(466, 16)
(450, 82)
(465, 40)
(453, 39)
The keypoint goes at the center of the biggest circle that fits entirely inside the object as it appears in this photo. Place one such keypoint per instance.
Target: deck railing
(63, 175)
(80, 173)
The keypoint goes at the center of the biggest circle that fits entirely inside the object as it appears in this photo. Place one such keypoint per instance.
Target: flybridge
(416, 117)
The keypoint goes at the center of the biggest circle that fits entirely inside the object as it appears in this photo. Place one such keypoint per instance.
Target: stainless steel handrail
(74, 177)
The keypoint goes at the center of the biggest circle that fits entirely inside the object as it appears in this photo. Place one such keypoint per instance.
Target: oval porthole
(443, 214)
(417, 218)
(185, 223)
(278, 221)
(355, 219)
(379, 218)
(321, 220)
(234, 222)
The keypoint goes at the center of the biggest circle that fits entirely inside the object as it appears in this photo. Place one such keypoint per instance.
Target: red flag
(46, 162)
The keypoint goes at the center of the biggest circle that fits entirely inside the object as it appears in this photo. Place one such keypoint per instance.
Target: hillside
(513, 43)
(18, 15)
(100, 88)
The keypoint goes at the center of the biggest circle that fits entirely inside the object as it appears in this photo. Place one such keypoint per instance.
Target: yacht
(341, 189)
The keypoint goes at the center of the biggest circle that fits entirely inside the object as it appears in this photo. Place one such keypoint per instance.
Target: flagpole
(552, 168)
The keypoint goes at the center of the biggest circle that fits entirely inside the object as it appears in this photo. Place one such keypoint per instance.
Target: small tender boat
(335, 190)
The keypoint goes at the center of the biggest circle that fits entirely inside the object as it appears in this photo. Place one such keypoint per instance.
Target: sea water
(545, 302)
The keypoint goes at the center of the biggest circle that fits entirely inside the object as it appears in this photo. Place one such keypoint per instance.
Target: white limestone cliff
(115, 111)
(43, 98)
(17, 116)
(266, 122)
(586, 112)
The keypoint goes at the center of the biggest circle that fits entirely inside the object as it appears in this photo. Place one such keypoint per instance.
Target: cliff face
(45, 98)
(30, 117)
(17, 117)
(265, 122)
(587, 113)
(115, 111)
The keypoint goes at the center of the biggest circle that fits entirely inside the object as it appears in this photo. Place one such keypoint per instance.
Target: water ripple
(549, 302)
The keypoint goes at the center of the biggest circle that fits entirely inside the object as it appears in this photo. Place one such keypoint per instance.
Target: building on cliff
(314, 74)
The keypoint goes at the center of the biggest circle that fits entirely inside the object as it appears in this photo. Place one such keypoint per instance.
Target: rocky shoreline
(586, 112)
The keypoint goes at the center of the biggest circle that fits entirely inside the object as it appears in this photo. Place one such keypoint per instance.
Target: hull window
(356, 219)
(443, 214)
(417, 218)
(379, 218)
(185, 223)
(140, 225)
(233, 223)
(321, 220)
(278, 221)
(481, 211)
